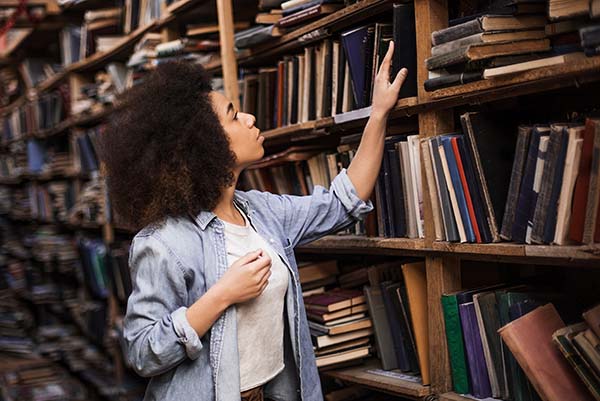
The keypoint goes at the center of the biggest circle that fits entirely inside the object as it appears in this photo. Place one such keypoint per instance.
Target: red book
(582, 184)
(463, 179)
(334, 300)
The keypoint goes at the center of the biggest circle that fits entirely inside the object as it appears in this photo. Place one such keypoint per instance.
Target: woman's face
(244, 138)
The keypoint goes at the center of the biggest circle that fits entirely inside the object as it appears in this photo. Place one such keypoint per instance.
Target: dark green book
(456, 347)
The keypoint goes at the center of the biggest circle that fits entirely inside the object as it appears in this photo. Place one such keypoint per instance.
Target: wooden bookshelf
(360, 244)
(391, 385)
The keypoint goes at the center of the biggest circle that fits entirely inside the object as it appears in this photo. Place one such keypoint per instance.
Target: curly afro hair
(165, 151)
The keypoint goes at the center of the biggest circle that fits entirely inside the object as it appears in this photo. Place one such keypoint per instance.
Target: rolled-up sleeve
(157, 333)
(307, 218)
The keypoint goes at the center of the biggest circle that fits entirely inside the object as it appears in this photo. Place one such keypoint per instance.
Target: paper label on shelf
(395, 375)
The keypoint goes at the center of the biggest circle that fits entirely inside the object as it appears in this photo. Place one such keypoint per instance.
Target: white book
(347, 102)
(293, 3)
(520, 67)
(290, 80)
(415, 164)
(335, 53)
(407, 184)
(455, 209)
(300, 102)
(537, 180)
(433, 191)
(571, 169)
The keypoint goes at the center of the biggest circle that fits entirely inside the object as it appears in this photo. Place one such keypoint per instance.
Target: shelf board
(391, 385)
(356, 243)
(458, 397)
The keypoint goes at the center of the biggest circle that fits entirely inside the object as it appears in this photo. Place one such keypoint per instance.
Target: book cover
(474, 350)
(592, 318)
(405, 50)
(383, 333)
(388, 290)
(450, 229)
(355, 47)
(456, 348)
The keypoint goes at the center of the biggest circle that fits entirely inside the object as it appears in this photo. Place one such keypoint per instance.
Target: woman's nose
(250, 120)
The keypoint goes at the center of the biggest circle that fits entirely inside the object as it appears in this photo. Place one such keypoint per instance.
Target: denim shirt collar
(206, 216)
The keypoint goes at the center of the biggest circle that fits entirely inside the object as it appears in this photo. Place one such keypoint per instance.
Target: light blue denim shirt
(173, 265)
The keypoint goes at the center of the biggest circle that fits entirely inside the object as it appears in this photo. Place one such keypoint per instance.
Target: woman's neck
(225, 208)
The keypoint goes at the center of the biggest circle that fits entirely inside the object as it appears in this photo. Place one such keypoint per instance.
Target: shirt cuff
(345, 191)
(186, 333)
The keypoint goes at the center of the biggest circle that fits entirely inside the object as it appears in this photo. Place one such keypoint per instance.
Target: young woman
(216, 311)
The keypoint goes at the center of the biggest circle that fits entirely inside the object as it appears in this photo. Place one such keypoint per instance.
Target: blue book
(450, 228)
(550, 224)
(526, 193)
(36, 156)
(355, 43)
(478, 373)
(457, 184)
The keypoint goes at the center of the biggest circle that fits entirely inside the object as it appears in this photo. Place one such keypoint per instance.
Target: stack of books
(397, 302)
(47, 245)
(472, 50)
(580, 345)
(572, 26)
(90, 205)
(315, 276)
(339, 325)
(554, 190)
(51, 202)
(36, 70)
(10, 84)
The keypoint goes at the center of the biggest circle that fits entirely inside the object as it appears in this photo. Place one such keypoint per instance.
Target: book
(592, 318)
(545, 209)
(447, 80)
(357, 43)
(438, 223)
(456, 208)
(450, 228)
(341, 327)
(565, 202)
(394, 313)
(326, 340)
(321, 316)
(487, 37)
(405, 47)
(343, 356)
(487, 23)
(558, 9)
(520, 67)
(456, 348)
(416, 288)
(308, 14)
(586, 344)
(475, 52)
(593, 196)
(529, 338)
(478, 373)
(316, 270)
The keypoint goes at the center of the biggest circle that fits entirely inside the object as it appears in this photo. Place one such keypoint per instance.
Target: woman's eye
(235, 116)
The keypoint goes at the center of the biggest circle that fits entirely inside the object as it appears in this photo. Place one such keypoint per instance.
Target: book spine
(456, 348)
(467, 192)
(591, 211)
(456, 32)
(474, 350)
(450, 226)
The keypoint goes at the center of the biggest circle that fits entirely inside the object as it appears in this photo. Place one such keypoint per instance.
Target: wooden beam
(228, 59)
(443, 276)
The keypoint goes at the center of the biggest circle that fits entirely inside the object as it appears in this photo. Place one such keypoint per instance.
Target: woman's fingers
(399, 80)
(387, 61)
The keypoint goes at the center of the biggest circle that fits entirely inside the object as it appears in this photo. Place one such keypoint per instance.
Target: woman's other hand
(246, 278)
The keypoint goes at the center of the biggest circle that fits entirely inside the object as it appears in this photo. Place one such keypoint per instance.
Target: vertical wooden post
(443, 272)
(228, 60)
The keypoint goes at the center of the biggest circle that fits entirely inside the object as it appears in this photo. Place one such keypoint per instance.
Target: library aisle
(475, 276)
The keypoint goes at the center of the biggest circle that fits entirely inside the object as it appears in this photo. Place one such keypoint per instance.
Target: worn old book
(551, 179)
(489, 323)
(344, 356)
(482, 51)
(480, 382)
(526, 202)
(409, 194)
(448, 80)
(593, 196)
(324, 340)
(565, 201)
(562, 9)
(516, 177)
(580, 196)
(416, 288)
(342, 347)
(357, 43)
(394, 315)
(563, 338)
(487, 37)
(257, 35)
(399, 216)
(592, 318)
(487, 23)
(322, 316)
(308, 14)
(529, 338)
(456, 348)
(526, 66)
(540, 165)
(341, 327)
(312, 271)
(267, 18)
(587, 345)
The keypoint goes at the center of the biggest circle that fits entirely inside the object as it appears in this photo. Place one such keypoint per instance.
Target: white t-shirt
(259, 320)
